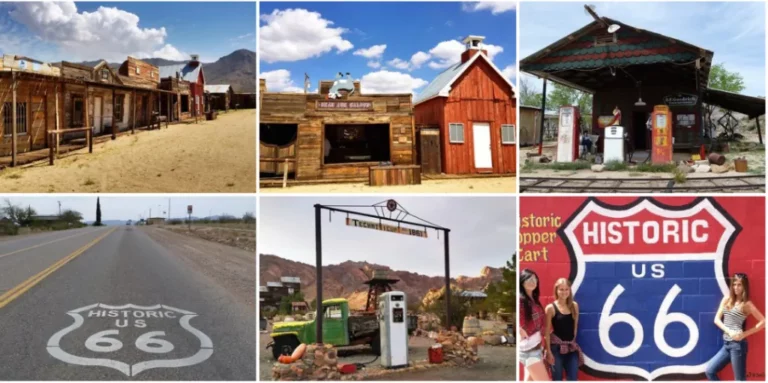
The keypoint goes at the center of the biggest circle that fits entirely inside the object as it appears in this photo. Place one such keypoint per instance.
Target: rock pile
(456, 349)
(318, 363)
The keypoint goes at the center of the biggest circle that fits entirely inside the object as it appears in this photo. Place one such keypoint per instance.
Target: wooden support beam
(51, 137)
(168, 115)
(759, 133)
(14, 138)
(89, 137)
(87, 103)
(133, 126)
(114, 123)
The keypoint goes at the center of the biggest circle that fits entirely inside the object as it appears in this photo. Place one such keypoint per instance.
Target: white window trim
(451, 140)
(514, 134)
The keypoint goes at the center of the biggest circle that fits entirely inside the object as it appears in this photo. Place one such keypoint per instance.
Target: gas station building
(629, 71)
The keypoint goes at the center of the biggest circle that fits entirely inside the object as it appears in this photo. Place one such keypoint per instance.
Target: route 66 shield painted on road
(152, 345)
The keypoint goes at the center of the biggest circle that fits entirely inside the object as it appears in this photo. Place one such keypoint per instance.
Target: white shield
(205, 351)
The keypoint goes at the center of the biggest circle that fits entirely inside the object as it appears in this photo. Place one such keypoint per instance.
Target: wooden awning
(741, 103)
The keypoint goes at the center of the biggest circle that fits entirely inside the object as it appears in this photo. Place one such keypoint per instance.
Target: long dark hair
(525, 275)
(732, 298)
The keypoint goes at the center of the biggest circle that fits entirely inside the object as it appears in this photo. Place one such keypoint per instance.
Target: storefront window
(356, 143)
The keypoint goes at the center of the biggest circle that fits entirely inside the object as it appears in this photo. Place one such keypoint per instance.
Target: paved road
(124, 308)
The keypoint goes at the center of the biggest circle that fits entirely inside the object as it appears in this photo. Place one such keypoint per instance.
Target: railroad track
(734, 184)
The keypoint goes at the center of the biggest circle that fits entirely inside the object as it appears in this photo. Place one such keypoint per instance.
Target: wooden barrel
(471, 326)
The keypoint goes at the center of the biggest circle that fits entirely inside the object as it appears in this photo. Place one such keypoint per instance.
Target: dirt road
(210, 156)
(465, 185)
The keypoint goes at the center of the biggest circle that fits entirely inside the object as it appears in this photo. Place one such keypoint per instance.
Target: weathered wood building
(188, 81)
(466, 117)
(633, 70)
(219, 96)
(327, 139)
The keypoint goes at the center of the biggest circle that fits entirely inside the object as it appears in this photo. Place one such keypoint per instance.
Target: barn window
(105, 74)
(77, 111)
(137, 70)
(119, 104)
(456, 131)
(508, 134)
(21, 118)
(351, 143)
(184, 103)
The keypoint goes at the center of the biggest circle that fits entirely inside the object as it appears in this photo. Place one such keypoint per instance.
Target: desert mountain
(346, 279)
(237, 69)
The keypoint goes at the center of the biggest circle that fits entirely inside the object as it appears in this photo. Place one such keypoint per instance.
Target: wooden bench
(394, 175)
(54, 138)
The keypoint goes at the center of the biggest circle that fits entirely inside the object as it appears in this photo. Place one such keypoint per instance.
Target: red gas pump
(661, 135)
(568, 134)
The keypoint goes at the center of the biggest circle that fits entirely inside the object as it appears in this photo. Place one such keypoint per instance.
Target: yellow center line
(44, 243)
(15, 292)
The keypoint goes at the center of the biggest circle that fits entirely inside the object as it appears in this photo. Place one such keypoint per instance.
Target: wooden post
(114, 123)
(133, 126)
(285, 174)
(87, 108)
(13, 124)
(51, 136)
(89, 137)
(759, 133)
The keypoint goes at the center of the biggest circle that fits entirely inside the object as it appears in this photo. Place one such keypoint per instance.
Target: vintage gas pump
(393, 329)
(568, 134)
(661, 135)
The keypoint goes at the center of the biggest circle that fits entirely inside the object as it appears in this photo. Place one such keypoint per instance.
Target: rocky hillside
(237, 69)
(346, 279)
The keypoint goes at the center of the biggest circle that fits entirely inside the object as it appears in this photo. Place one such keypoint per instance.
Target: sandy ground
(496, 362)
(464, 185)
(211, 156)
(240, 235)
(230, 267)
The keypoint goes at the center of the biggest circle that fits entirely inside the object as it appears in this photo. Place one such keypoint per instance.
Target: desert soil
(464, 185)
(238, 235)
(230, 267)
(207, 157)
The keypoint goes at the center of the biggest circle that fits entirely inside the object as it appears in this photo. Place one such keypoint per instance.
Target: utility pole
(59, 208)
(169, 209)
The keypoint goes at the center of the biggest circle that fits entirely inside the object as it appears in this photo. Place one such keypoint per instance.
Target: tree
(71, 217)
(562, 95)
(528, 95)
(285, 302)
(98, 213)
(501, 294)
(721, 78)
(18, 215)
(249, 218)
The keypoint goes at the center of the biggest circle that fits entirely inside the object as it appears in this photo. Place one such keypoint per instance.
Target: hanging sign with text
(385, 227)
(681, 99)
(344, 105)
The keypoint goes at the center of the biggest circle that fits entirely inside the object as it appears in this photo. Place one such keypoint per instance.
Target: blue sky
(734, 31)
(393, 47)
(482, 233)
(75, 31)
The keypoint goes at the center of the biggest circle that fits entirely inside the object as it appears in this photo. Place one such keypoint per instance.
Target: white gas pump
(614, 144)
(393, 329)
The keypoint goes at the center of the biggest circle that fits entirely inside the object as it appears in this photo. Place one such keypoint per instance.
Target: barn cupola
(473, 45)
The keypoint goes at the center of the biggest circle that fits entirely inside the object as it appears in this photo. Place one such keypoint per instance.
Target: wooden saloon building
(38, 98)
(632, 70)
(338, 133)
(466, 117)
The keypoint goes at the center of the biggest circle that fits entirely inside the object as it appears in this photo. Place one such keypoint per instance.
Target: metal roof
(473, 294)
(263, 289)
(187, 71)
(751, 106)
(441, 85)
(274, 284)
(290, 279)
(223, 88)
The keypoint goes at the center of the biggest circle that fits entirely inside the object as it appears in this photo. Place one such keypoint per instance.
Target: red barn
(466, 117)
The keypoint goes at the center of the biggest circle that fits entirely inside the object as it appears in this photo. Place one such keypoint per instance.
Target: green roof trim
(592, 64)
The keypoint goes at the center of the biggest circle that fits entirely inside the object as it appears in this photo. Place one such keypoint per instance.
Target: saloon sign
(648, 275)
(344, 105)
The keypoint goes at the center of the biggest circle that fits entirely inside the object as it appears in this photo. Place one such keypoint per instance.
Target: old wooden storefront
(333, 139)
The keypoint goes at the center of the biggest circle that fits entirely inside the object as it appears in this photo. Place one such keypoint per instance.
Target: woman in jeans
(560, 335)
(731, 317)
(531, 326)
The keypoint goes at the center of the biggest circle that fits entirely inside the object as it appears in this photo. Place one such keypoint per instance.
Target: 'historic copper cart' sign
(344, 105)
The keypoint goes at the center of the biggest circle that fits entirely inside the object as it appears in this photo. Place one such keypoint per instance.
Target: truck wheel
(376, 344)
(284, 345)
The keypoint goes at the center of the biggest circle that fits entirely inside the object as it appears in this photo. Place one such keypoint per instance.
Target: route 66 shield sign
(648, 278)
(108, 332)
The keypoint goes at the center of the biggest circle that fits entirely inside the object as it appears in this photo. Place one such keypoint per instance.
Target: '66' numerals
(99, 342)
(663, 319)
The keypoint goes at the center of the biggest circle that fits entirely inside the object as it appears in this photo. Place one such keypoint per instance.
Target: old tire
(284, 345)
(376, 344)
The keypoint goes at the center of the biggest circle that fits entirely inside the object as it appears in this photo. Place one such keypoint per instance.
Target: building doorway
(639, 130)
(356, 143)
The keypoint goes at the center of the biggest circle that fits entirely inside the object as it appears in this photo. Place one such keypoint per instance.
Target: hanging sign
(344, 105)
(384, 227)
(681, 99)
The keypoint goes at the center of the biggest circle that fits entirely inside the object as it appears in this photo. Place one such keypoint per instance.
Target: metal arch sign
(151, 342)
(625, 258)
(388, 228)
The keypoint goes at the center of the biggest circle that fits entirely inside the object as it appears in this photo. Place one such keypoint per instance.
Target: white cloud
(447, 53)
(496, 7)
(298, 34)
(390, 82)
(374, 64)
(399, 64)
(419, 58)
(371, 53)
(416, 61)
(510, 72)
(169, 52)
(280, 81)
(107, 32)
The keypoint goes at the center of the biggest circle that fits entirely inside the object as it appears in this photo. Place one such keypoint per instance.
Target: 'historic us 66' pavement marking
(150, 342)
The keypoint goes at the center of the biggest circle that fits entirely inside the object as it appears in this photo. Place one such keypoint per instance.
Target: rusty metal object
(740, 165)
(717, 159)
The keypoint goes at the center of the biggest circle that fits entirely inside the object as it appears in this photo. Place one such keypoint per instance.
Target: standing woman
(731, 317)
(560, 334)
(532, 319)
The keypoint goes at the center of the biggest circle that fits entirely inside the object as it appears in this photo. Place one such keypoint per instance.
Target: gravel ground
(464, 185)
(208, 157)
(496, 363)
(241, 238)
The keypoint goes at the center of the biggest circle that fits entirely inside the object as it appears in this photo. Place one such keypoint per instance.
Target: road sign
(189, 209)
(104, 331)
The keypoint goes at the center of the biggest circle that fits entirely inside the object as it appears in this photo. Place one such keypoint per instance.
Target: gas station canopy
(593, 59)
